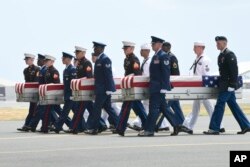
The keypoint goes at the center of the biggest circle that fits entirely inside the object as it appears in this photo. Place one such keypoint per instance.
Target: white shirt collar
(157, 51)
(67, 66)
(223, 49)
(99, 56)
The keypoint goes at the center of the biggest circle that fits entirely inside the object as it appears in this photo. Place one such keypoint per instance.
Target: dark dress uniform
(31, 74)
(176, 111)
(104, 82)
(40, 108)
(159, 80)
(228, 69)
(83, 69)
(69, 73)
(51, 76)
(131, 66)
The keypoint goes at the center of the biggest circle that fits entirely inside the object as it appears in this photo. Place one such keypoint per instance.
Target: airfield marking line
(124, 147)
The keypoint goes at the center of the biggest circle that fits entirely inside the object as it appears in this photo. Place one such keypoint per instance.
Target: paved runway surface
(107, 150)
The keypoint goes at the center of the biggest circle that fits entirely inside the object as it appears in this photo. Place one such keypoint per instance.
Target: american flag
(212, 81)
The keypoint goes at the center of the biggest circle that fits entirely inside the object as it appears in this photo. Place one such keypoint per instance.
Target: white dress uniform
(201, 67)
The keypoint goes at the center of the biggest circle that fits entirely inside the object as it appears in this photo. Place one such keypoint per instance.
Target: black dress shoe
(54, 129)
(146, 134)
(175, 132)
(222, 130)
(112, 127)
(244, 131)
(102, 129)
(185, 129)
(68, 131)
(23, 129)
(135, 127)
(91, 132)
(31, 129)
(163, 129)
(75, 132)
(211, 132)
(42, 131)
(118, 132)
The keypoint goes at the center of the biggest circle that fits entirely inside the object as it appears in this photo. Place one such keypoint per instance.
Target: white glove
(229, 89)
(163, 91)
(108, 92)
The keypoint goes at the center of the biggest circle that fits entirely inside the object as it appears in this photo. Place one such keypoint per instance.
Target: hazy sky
(53, 26)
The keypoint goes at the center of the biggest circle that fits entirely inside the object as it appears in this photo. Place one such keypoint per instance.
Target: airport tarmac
(107, 150)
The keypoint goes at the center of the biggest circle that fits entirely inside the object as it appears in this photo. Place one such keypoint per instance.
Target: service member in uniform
(159, 84)
(69, 73)
(51, 76)
(201, 66)
(173, 106)
(145, 53)
(30, 75)
(40, 108)
(83, 69)
(105, 117)
(104, 86)
(228, 83)
(132, 67)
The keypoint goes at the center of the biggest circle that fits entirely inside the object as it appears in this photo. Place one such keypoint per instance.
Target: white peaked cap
(49, 57)
(127, 43)
(29, 55)
(199, 43)
(80, 48)
(146, 46)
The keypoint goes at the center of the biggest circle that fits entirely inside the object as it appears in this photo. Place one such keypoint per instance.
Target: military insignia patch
(107, 65)
(55, 76)
(88, 68)
(166, 62)
(156, 61)
(175, 65)
(136, 66)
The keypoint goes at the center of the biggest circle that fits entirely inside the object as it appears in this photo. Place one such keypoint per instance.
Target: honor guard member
(228, 83)
(145, 53)
(51, 76)
(104, 86)
(30, 75)
(159, 85)
(105, 117)
(132, 67)
(69, 73)
(41, 80)
(173, 106)
(201, 66)
(83, 69)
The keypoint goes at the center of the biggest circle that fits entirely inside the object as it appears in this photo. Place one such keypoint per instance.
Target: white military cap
(49, 57)
(78, 48)
(127, 44)
(146, 46)
(28, 55)
(199, 43)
